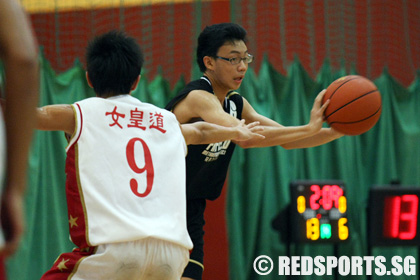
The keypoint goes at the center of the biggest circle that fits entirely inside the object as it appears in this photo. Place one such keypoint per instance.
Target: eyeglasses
(236, 60)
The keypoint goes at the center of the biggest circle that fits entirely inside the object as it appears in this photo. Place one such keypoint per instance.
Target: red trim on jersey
(81, 123)
(75, 202)
(66, 264)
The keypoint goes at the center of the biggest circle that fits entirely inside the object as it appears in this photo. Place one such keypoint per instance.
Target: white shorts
(148, 259)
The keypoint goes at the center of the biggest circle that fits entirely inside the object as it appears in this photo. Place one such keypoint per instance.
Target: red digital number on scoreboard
(327, 197)
(393, 215)
(400, 216)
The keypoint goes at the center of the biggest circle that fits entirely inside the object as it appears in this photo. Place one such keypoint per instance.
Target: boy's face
(230, 76)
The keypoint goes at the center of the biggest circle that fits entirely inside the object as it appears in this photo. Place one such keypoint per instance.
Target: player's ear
(136, 82)
(88, 80)
(209, 62)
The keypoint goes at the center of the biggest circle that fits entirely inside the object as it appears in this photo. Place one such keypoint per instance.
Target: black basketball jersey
(207, 165)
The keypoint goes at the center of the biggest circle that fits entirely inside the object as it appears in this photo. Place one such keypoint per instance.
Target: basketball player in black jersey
(223, 57)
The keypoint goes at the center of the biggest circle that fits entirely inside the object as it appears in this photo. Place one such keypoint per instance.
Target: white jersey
(125, 173)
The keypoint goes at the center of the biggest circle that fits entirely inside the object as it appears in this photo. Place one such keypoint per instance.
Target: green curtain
(259, 178)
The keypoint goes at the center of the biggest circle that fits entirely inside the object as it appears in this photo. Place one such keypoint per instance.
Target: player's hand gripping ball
(355, 105)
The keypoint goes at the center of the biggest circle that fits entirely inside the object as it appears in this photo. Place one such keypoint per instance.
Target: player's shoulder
(191, 92)
(199, 93)
(202, 84)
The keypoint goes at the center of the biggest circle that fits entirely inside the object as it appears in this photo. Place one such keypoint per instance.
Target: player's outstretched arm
(205, 133)
(200, 104)
(291, 137)
(324, 136)
(56, 117)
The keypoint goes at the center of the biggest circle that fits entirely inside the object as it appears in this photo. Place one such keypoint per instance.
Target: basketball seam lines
(351, 102)
(342, 85)
(361, 119)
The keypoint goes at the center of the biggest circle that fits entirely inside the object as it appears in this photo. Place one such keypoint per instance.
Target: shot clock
(393, 216)
(318, 212)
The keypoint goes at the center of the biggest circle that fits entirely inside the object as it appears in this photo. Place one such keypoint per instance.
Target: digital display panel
(318, 212)
(393, 216)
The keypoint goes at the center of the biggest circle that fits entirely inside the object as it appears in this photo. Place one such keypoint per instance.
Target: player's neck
(218, 88)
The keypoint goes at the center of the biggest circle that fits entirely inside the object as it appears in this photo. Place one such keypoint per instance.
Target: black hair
(114, 61)
(215, 36)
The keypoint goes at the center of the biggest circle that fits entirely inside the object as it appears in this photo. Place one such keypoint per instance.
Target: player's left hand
(317, 113)
(249, 131)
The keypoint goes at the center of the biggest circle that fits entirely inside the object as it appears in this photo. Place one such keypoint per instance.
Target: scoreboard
(318, 211)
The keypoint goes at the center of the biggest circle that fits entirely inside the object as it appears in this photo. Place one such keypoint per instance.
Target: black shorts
(195, 225)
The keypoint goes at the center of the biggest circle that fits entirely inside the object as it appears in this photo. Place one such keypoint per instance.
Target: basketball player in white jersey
(125, 172)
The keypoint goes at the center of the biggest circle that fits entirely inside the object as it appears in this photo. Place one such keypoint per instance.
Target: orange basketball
(355, 105)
